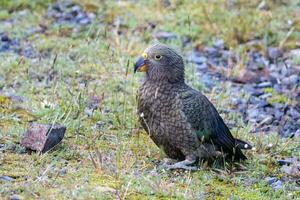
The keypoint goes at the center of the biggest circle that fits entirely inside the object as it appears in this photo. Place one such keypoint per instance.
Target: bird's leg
(182, 165)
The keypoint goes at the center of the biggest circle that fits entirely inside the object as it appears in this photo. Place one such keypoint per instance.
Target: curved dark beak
(140, 65)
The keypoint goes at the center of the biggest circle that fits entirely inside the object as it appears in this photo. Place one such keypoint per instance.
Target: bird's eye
(157, 57)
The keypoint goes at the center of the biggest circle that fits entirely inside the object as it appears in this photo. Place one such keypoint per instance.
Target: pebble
(219, 44)
(212, 52)
(196, 58)
(274, 53)
(15, 197)
(277, 185)
(162, 35)
(252, 113)
(63, 172)
(264, 84)
(265, 96)
(287, 161)
(6, 178)
(266, 120)
(270, 180)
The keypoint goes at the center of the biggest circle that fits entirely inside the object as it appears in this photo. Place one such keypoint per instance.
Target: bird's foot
(185, 164)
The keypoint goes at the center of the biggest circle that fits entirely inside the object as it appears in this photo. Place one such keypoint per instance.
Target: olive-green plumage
(179, 119)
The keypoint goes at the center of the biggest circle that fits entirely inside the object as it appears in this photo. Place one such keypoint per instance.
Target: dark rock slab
(42, 137)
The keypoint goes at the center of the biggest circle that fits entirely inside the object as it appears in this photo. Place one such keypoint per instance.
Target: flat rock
(162, 35)
(6, 178)
(42, 137)
(270, 180)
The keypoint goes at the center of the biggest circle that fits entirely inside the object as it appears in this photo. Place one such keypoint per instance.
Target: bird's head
(161, 63)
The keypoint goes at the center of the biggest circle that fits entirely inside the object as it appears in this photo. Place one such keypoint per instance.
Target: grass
(107, 155)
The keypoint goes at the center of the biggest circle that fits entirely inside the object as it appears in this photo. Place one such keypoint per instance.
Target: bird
(179, 119)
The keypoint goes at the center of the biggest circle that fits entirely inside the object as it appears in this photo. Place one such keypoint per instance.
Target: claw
(180, 165)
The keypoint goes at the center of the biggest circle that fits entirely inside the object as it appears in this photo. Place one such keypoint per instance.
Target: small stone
(84, 21)
(294, 113)
(219, 44)
(196, 58)
(253, 91)
(274, 53)
(15, 197)
(277, 185)
(265, 96)
(5, 38)
(91, 15)
(290, 170)
(246, 76)
(42, 137)
(62, 172)
(262, 6)
(266, 121)
(80, 16)
(212, 52)
(6, 178)
(162, 35)
(287, 161)
(297, 133)
(252, 113)
(277, 88)
(75, 10)
(185, 40)
(278, 105)
(202, 66)
(285, 81)
(270, 180)
(278, 114)
(236, 101)
(264, 84)
(294, 79)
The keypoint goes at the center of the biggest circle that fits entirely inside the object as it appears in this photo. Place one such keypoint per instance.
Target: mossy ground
(115, 160)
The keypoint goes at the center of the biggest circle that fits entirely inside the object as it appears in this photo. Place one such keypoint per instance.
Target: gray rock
(253, 113)
(202, 66)
(297, 133)
(277, 185)
(264, 84)
(63, 172)
(212, 52)
(15, 197)
(290, 170)
(162, 35)
(270, 180)
(294, 113)
(287, 161)
(6, 178)
(195, 57)
(265, 96)
(294, 79)
(84, 21)
(219, 44)
(267, 120)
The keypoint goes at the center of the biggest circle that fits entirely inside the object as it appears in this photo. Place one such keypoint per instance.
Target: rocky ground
(265, 90)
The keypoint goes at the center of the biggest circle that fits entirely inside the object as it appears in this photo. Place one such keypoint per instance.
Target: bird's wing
(208, 124)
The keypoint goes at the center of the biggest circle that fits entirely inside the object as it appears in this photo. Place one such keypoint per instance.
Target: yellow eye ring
(157, 57)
